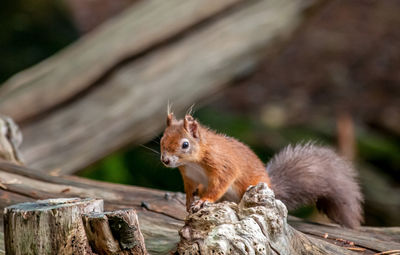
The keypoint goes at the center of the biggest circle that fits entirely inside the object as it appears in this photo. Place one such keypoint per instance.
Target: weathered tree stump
(114, 232)
(257, 225)
(52, 226)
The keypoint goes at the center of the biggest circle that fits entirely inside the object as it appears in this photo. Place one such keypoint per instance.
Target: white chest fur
(196, 173)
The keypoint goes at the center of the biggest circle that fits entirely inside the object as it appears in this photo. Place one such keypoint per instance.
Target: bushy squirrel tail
(306, 174)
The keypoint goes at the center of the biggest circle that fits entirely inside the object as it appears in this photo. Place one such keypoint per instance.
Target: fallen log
(161, 214)
(147, 24)
(111, 88)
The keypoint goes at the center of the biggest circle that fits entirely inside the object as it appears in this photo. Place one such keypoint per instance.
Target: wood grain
(114, 233)
(74, 69)
(47, 227)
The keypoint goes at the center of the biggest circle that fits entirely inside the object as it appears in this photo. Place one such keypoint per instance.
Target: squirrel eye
(185, 145)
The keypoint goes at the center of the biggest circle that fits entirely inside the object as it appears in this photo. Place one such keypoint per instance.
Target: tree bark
(116, 232)
(71, 226)
(52, 226)
(257, 225)
(116, 91)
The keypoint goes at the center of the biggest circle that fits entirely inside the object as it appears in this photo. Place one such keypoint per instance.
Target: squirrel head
(181, 141)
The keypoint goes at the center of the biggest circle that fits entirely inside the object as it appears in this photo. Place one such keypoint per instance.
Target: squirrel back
(217, 167)
(307, 174)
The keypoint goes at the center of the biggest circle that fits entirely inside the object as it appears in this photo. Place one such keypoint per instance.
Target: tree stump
(52, 226)
(114, 232)
(257, 225)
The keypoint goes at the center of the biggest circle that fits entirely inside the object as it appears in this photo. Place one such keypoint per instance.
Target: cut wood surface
(161, 214)
(111, 88)
(71, 226)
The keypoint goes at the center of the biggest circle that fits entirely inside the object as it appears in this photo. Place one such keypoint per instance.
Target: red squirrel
(218, 167)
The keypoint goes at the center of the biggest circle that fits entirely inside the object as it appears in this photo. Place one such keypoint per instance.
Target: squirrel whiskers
(218, 167)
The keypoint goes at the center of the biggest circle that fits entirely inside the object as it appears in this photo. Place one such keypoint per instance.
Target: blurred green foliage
(380, 150)
(138, 166)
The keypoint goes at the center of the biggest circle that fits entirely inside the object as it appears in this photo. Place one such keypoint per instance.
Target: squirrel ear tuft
(191, 125)
(170, 119)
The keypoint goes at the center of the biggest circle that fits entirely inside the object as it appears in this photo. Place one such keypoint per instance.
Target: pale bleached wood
(128, 106)
(257, 225)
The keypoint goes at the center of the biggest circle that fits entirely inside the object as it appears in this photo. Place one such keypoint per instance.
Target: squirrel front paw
(197, 205)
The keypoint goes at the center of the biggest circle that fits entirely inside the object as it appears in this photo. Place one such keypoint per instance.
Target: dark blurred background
(337, 82)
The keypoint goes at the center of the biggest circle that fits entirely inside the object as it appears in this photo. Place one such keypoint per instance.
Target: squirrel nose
(165, 160)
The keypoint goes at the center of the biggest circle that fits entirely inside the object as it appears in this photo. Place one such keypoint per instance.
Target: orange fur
(190, 188)
(218, 167)
(227, 163)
